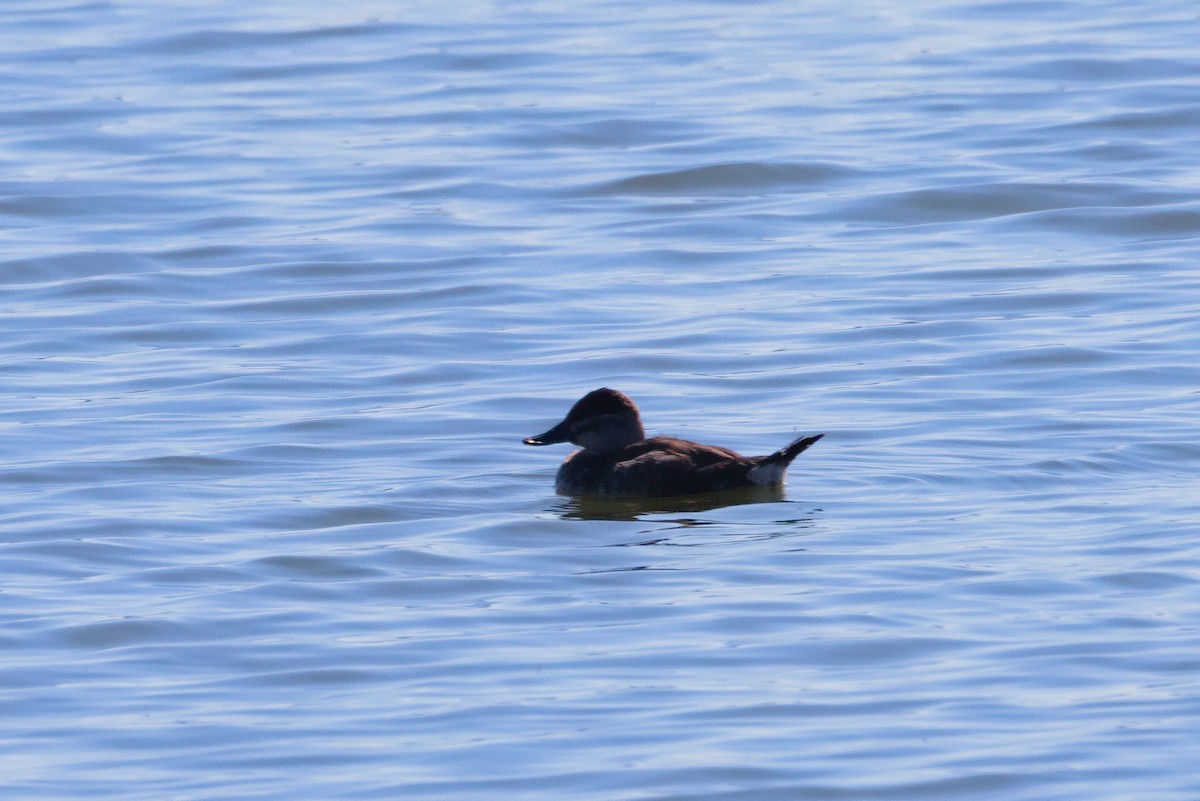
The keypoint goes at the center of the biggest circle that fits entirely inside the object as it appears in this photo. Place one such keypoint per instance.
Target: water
(284, 285)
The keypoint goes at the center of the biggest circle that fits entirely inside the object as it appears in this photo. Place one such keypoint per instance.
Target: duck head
(603, 420)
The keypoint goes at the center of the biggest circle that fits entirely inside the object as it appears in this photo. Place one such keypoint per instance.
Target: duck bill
(560, 433)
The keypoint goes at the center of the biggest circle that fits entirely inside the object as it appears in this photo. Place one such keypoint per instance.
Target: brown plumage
(616, 459)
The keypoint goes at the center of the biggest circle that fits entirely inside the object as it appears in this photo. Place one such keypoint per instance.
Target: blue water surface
(282, 286)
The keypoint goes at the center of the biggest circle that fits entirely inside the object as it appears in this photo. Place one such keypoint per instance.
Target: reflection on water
(690, 533)
(585, 507)
(678, 521)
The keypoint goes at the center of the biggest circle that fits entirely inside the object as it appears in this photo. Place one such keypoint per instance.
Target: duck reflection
(598, 507)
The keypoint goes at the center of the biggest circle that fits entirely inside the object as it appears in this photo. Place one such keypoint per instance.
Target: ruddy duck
(617, 459)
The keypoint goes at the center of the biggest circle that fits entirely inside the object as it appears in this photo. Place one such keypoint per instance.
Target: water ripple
(286, 284)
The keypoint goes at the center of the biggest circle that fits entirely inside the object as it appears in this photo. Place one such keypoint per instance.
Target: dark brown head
(602, 420)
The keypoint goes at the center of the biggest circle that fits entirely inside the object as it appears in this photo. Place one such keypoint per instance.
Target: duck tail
(770, 470)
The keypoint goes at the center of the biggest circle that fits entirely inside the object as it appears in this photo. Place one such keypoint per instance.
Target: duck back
(658, 466)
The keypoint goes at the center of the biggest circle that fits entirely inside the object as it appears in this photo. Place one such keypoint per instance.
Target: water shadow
(586, 507)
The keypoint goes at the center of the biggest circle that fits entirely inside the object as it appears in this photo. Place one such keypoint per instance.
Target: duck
(617, 460)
